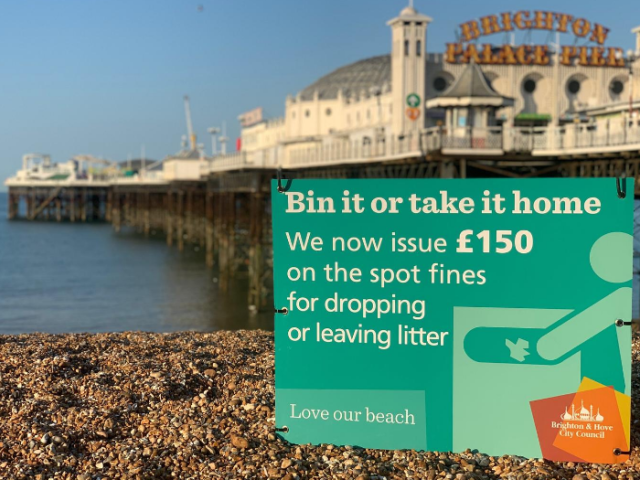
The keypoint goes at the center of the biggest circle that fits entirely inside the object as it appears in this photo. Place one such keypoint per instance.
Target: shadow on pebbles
(198, 406)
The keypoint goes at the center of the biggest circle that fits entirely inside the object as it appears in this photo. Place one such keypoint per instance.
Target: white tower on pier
(408, 51)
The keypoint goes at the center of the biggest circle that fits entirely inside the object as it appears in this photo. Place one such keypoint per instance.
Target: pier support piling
(209, 229)
(169, 218)
(256, 296)
(180, 221)
(147, 213)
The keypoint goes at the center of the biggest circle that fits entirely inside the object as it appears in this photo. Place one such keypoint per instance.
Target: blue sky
(104, 77)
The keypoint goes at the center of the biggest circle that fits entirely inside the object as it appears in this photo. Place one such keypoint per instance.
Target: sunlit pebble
(199, 405)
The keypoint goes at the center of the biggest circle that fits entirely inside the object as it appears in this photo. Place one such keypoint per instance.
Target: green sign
(413, 100)
(453, 314)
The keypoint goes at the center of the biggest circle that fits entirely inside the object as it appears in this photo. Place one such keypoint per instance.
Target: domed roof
(352, 78)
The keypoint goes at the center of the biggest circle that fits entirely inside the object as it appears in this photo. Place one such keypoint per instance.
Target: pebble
(239, 442)
(192, 405)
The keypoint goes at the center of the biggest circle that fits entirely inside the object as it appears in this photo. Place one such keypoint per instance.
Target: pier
(222, 204)
(543, 111)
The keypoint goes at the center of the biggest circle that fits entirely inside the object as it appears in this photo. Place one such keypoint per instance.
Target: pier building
(518, 94)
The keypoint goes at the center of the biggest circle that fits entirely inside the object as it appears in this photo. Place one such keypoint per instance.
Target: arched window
(529, 85)
(573, 86)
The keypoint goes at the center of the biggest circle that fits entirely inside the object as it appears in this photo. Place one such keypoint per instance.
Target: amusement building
(508, 87)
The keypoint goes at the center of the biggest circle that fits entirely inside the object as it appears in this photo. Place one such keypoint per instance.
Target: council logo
(583, 415)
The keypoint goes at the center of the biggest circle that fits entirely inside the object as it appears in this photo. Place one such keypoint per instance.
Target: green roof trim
(533, 116)
(60, 176)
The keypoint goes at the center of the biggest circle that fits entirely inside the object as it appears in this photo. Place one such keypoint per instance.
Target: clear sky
(104, 77)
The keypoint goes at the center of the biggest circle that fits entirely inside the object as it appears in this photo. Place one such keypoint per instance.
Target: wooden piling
(180, 221)
(147, 213)
(83, 205)
(116, 214)
(256, 296)
(109, 205)
(30, 204)
(188, 216)
(169, 217)
(217, 224)
(209, 229)
(72, 205)
(227, 240)
(13, 206)
(223, 255)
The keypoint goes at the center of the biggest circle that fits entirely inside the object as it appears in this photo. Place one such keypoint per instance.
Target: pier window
(616, 87)
(406, 48)
(439, 84)
(573, 87)
(529, 85)
(419, 48)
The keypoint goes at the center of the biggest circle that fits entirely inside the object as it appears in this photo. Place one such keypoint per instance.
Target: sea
(83, 277)
(75, 277)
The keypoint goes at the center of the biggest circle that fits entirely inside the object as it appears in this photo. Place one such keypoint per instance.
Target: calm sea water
(85, 278)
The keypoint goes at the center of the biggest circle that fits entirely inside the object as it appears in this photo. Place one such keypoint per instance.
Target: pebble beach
(199, 406)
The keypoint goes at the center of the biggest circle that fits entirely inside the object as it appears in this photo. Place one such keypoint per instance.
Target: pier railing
(220, 163)
(605, 137)
(571, 139)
